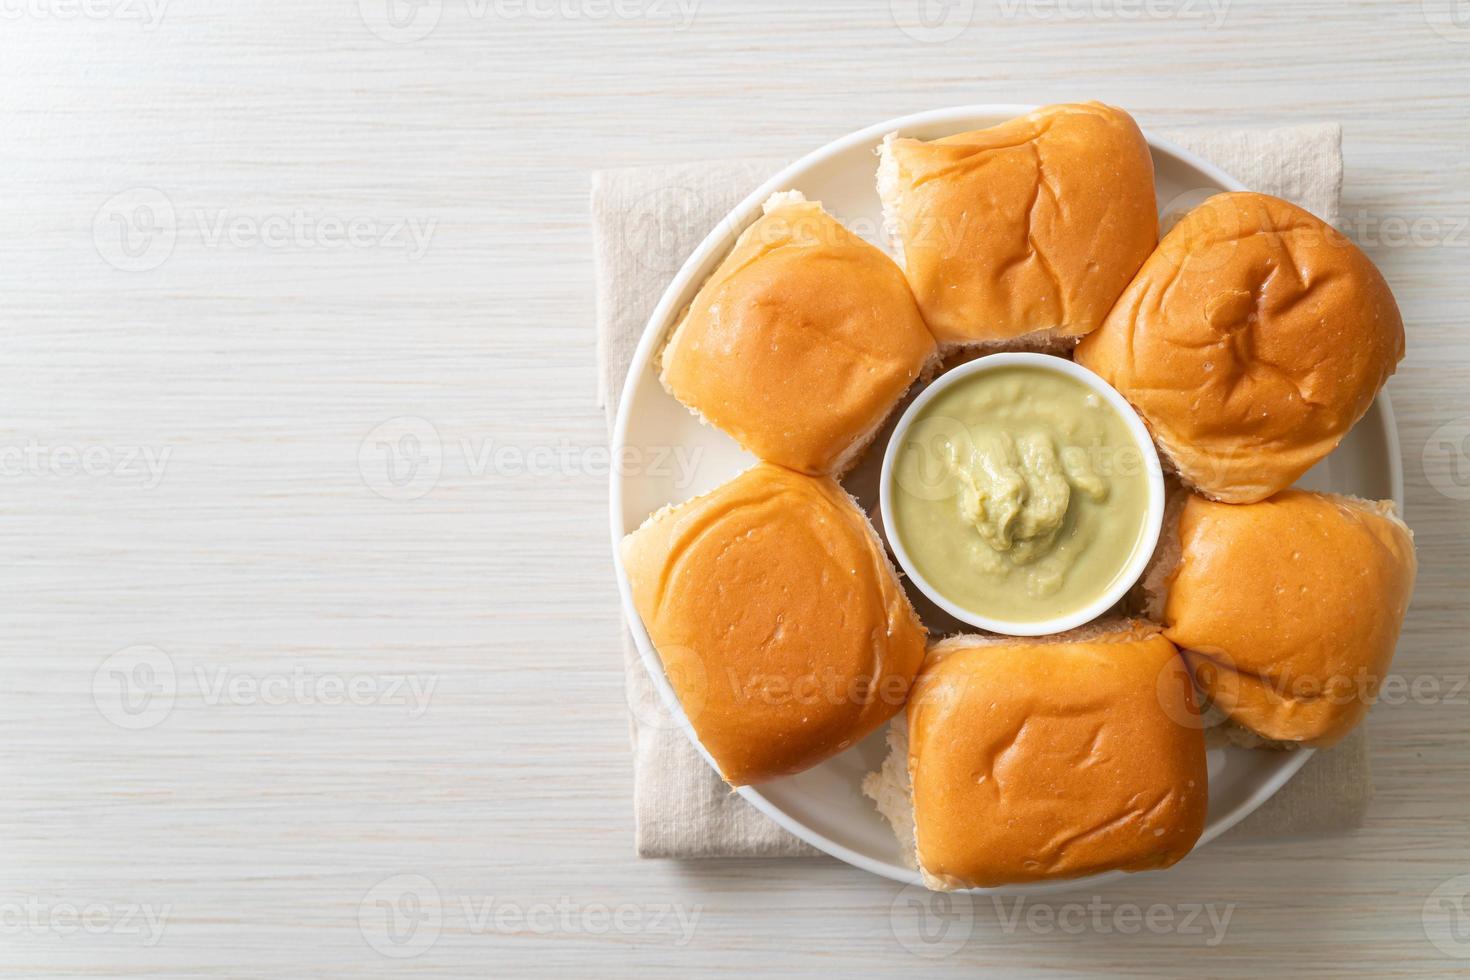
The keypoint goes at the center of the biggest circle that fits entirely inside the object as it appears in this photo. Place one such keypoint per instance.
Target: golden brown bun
(1034, 226)
(1251, 341)
(801, 342)
(781, 625)
(1054, 757)
(1288, 610)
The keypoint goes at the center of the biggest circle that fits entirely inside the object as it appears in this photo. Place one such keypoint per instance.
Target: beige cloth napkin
(646, 221)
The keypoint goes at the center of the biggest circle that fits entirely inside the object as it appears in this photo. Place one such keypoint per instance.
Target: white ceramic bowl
(1153, 519)
(824, 806)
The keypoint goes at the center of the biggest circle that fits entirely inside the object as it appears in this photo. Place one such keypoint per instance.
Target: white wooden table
(264, 267)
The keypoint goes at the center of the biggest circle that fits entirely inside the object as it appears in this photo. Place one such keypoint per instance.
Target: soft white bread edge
(888, 190)
(892, 791)
(781, 199)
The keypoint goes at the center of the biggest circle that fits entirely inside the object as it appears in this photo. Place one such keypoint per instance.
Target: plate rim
(719, 238)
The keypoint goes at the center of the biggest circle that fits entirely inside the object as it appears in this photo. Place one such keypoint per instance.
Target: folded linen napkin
(646, 221)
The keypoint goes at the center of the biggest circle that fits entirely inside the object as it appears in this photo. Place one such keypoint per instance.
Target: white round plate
(824, 806)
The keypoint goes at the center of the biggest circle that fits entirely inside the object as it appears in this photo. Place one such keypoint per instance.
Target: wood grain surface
(309, 657)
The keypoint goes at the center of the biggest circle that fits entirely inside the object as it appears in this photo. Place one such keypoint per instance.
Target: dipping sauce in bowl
(1022, 494)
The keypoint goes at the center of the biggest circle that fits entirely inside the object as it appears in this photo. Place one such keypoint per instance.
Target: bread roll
(1288, 610)
(1054, 757)
(1250, 342)
(801, 342)
(780, 623)
(1026, 232)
